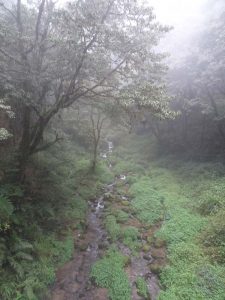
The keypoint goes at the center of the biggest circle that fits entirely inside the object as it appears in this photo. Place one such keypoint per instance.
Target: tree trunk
(95, 154)
(24, 147)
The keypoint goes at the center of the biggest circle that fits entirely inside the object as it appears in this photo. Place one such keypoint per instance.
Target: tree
(54, 57)
(5, 109)
(197, 83)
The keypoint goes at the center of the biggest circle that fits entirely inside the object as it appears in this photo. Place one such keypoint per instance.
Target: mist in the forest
(187, 19)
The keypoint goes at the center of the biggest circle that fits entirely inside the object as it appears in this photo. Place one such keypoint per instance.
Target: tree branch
(46, 146)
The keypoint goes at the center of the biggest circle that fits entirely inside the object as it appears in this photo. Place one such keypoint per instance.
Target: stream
(72, 280)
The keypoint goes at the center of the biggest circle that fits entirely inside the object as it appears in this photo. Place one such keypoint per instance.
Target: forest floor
(145, 236)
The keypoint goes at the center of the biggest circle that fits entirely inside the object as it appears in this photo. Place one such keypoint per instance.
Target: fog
(112, 161)
(186, 17)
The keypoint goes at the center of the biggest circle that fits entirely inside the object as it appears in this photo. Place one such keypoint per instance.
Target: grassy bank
(188, 199)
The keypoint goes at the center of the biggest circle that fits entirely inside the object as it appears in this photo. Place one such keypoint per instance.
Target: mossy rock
(146, 248)
(155, 268)
(109, 196)
(159, 243)
(150, 240)
(125, 203)
(127, 260)
(157, 253)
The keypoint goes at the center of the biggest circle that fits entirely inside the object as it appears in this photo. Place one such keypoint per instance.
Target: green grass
(181, 226)
(130, 238)
(142, 287)
(146, 202)
(113, 228)
(109, 273)
(189, 198)
(121, 216)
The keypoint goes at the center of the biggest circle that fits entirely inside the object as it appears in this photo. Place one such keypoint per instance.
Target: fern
(18, 251)
(7, 290)
(6, 209)
(3, 250)
(16, 266)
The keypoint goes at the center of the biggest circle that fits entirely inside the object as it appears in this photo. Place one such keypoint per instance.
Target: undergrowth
(188, 197)
(142, 288)
(109, 273)
(37, 219)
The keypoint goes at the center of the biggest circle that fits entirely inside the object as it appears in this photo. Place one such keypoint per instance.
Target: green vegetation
(142, 288)
(112, 227)
(130, 238)
(75, 78)
(121, 216)
(147, 202)
(108, 272)
(37, 236)
(192, 211)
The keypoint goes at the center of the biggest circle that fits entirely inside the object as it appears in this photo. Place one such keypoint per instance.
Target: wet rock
(103, 245)
(104, 236)
(155, 268)
(147, 257)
